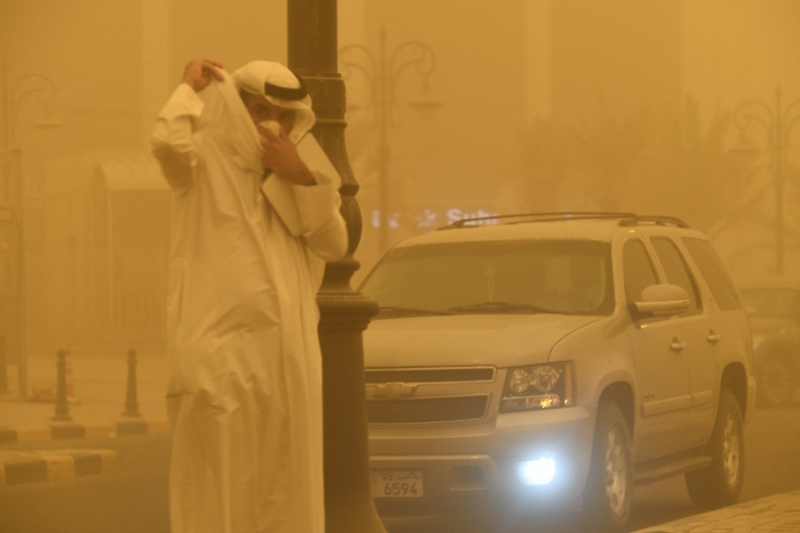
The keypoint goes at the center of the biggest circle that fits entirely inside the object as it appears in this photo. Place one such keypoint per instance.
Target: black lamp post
(382, 73)
(778, 123)
(344, 313)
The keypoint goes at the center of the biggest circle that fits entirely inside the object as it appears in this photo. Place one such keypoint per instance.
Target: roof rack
(625, 218)
(657, 220)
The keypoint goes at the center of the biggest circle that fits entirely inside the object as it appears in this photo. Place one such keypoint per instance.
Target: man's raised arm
(171, 141)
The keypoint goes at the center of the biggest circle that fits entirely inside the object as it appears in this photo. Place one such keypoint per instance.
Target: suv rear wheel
(721, 483)
(609, 490)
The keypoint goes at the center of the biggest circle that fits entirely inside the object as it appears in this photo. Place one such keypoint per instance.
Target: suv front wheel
(721, 483)
(609, 490)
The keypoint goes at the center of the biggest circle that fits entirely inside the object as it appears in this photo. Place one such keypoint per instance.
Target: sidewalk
(779, 513)
(98, 388)
(99, 385)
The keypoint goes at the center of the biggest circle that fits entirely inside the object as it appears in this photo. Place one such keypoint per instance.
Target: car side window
(717, 279)
(676, 270)
(637, 270)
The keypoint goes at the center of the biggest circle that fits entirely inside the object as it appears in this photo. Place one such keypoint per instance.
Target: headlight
(538, 387)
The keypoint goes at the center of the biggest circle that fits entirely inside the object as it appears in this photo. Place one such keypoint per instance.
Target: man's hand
(280, 156)
(198, 74)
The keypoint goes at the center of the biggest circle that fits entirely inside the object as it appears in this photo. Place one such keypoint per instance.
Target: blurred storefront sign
(431, 218)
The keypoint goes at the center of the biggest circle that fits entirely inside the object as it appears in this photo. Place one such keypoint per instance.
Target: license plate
(397, 484)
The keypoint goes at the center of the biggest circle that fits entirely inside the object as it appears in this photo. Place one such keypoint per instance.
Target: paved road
(134, 499)
(130, 500)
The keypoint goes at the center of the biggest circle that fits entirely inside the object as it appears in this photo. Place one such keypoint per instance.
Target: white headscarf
(225, 116)
(280, 87)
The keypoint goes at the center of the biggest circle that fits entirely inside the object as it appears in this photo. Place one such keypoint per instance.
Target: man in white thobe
(245, 384)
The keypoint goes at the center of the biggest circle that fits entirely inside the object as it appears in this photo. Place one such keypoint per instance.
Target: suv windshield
(531, 276)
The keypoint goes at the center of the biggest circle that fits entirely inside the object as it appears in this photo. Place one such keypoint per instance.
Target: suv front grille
(429, 375)
(447, 409)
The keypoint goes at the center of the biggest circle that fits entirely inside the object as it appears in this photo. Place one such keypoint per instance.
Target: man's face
(261, 109)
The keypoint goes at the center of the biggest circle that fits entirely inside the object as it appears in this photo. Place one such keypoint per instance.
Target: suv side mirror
(662, 300)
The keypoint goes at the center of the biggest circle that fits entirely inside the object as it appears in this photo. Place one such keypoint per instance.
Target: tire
(720, 484)
(777, 381)
(609, 489)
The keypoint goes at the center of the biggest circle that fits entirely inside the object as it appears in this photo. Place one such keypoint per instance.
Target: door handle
(713, 338)
(677, 346)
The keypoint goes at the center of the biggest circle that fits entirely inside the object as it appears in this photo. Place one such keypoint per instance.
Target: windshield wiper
(497, 307)
(393, 309)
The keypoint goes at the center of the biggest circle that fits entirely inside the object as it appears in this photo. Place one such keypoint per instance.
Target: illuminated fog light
(538, 472)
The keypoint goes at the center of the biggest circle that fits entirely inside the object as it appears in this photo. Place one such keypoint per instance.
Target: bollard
(131, 402)
(3, 367)
(62, 407)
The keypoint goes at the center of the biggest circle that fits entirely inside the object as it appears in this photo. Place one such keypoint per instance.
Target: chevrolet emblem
(392, 391)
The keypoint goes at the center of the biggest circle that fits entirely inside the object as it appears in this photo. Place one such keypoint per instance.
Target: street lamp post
(778, 123)
(28, 85)
(382, 73)
(12, 193)
(344, 314)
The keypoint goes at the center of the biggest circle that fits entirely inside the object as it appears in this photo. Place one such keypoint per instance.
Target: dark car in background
(774, 310)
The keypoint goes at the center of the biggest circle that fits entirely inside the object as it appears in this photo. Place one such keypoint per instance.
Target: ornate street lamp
(11, 195)
(778, 123)
(382, 73)
(37, 85)
(344, 314)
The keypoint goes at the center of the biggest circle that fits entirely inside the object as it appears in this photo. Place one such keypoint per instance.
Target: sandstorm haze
(547, 106)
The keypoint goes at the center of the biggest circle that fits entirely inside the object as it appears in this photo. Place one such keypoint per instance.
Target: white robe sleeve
(172, 142)
(322, 226)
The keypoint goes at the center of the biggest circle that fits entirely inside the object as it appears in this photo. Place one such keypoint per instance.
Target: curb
(51, 465)
(71, 430)
(775, 513)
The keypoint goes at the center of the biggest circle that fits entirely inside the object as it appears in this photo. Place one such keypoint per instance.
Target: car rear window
(530, 276)
(717, 279)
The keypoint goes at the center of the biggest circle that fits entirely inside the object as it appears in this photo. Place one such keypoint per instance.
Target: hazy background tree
(661, 162)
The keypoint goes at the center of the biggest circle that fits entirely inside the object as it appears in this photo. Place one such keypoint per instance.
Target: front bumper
(475, 467)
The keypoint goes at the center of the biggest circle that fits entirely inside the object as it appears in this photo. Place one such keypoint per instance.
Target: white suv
(555, 359)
